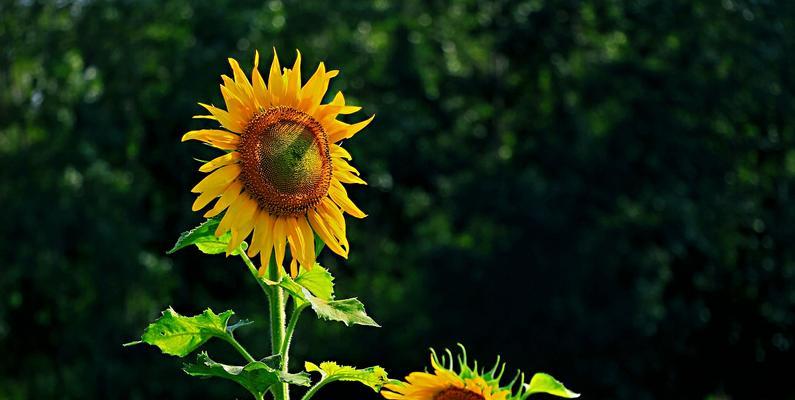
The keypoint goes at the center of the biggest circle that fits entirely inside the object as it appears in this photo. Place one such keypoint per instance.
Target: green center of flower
(286, 165)
(454, 393)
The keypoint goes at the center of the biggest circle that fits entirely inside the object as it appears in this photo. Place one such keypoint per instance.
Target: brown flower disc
(455, 393)
(285, 160)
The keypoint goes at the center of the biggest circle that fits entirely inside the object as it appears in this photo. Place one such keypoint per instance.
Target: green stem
(311, 392)
(231, 340)
(288, 337)
(277, 318)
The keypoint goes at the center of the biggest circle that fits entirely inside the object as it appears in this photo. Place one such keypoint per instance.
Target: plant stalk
(277, 304)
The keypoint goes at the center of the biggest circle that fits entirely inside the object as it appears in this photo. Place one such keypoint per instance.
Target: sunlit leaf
(203, 237)
(178, 335)
(544, 383)
(373, 377)
(256, 376)
(318, 281)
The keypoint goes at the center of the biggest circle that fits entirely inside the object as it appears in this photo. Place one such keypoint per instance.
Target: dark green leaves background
(600, 190)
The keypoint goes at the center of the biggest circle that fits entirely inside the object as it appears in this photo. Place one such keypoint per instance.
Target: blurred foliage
(600, 190)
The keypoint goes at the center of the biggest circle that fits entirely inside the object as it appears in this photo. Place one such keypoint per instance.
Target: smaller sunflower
(447, 384)
(470, 383)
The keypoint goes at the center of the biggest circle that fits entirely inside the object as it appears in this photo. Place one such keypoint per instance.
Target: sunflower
(447, 384)
(281, 177)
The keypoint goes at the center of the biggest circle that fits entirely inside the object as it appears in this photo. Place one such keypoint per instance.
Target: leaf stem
(288, 337)
(311, 392)
(253, 269)
(231, 340)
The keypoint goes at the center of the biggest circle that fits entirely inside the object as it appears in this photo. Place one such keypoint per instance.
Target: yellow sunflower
(446, 384)
(281, 178)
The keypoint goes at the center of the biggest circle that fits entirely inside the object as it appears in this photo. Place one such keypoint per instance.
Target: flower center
(455, 393)
(286, 165)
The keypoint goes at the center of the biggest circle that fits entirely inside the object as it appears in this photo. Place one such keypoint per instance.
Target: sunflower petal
(260, 91)
(227, 197)
(226, 119)
(342, 130)
(319, 226)
(218, 162)
(219, 177)
(280, 240)
(275, 84)
(340, 196)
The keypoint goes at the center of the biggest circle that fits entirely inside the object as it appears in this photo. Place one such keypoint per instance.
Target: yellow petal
(263, 229)
(280, 239)
(309, 242)
(294, 268)
(339, 152)
(221, 176)
(293, 83)
(341, 130)
(221, 139)
(275, 84)
(241, 79)
(340, 196)
(347, 177)
(319, 226)
(231, 213)
(243, 223)
(260, 91)
(226, 119)
(226, 159)
(208, 196)
(312, 93)
(227, 197)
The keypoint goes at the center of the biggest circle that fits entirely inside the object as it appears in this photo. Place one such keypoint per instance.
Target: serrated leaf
(545, 383)
(347, 311)
(203, 237)
(178, 335)
(373, 377)
(256, 376)
(318, 281)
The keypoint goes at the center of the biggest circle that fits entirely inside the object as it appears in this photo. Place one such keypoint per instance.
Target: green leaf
(316, 287)
(318, 281)
(347, 311)
(178, 335)
(544, 383)
(374, 377)
(203, 237)
(256, 376)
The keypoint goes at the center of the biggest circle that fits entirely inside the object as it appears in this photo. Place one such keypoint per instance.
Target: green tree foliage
(623, 170)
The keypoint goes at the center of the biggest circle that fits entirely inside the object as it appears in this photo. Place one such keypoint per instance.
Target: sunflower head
(280, 179)
(446, 382)
(465, 382)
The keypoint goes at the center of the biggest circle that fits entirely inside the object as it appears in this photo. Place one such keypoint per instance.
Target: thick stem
(277, 318)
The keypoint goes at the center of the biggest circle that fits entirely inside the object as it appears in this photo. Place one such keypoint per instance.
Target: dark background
(596, 189)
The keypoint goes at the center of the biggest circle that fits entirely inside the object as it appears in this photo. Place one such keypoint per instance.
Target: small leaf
(318, 281)
(373, 377)
(544, 383)
(178, 335)
(347, 311)
(203, 237)
(256, 376)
